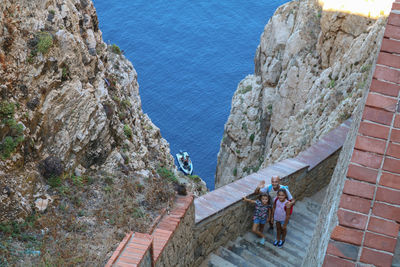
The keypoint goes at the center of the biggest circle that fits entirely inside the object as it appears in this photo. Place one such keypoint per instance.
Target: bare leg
(271, 225)
(255, 230)
(284, 231)
(278, 231)
(262, 228)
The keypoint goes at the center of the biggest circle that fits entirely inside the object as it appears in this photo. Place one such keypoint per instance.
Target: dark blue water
(189, 56)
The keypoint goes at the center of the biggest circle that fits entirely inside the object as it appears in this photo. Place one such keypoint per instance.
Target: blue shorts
(281, 222)
(260, 221)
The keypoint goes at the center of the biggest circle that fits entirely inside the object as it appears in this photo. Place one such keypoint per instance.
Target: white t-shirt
(270, 190)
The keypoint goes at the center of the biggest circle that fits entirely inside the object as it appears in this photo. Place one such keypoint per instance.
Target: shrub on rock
(51, 167)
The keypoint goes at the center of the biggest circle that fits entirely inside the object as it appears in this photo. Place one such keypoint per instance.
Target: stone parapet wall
(313, 180)
(326, 220)
(134, 250)
(178, 249)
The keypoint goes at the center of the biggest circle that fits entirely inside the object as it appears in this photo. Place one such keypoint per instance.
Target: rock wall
(68, 97)
(75, 97)
(311, 68)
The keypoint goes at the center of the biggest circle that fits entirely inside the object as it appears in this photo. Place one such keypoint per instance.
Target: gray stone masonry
(327, 218)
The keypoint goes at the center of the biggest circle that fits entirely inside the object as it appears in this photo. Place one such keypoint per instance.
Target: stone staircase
(246, 252)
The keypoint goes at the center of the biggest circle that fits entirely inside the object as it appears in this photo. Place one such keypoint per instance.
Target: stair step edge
(216, 261)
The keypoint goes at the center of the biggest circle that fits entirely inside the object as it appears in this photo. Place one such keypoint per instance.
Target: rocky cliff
(311, 68)
(80, 163)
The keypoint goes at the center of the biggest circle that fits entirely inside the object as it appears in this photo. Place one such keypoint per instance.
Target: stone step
(310, 206)
(258, 250)
(304, 218)
(313, 203)
(296, 236)
(233, 258)
(305, 230)
(217, 261)
(294, 246)
(246, 254)
(301, 208)
(246, 251)
(276, 251)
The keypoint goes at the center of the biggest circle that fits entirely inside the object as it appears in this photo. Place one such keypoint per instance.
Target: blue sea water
(189, 56)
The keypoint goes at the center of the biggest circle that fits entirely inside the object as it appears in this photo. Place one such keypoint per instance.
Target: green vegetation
(138, 186)
(116, 99)
(361, 84)
(65, 73)
(269, 108)
(244, 127)
(115, 49)
(252, 138)
(148, 127)
(13, 235)
(167, 174)
(138, 213)
(366, 68)
(126, 103)
(41, 43)
(52, 11)
(44, 43)
(344, 116)
(81, 213)
(15, 135)
(246, 89)
(8, 146)
(195, 178)
(234, 171)
(7, 110)
(128, 131)
(108, 180)
(16, 229)
(30, 58)
(331, 84)
(77, 180)
(54, 181)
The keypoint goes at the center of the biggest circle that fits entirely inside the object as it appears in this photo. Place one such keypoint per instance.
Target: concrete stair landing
(245, 251)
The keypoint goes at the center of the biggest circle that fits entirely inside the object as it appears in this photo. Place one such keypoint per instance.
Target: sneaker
(262, 241)
(281, 242)
(276, 242)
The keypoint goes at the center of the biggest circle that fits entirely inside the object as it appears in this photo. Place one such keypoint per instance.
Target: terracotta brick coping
(227, 195)
(369, 209)
(133, 248)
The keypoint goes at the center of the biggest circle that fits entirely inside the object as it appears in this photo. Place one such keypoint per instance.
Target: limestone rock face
(75, 98)
(311, 68)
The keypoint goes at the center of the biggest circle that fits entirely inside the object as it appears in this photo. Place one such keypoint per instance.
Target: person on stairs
(262, 213)
(281, 216)
(272, 190)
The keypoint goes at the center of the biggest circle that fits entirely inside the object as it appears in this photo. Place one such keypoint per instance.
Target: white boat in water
(185, 163)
